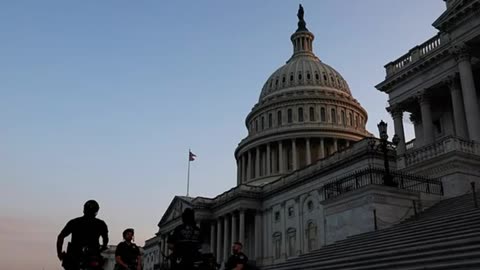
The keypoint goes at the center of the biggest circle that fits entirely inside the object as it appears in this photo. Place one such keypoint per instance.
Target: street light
(382, 130)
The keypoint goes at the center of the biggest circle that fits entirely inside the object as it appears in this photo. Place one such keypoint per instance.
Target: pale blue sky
(102, 99)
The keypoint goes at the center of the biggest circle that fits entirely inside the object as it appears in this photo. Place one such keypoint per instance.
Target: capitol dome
(304, 71)
(305, 112)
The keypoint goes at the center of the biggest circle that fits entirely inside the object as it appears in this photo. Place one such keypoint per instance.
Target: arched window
(333, 116)
(350, 120)
(289, 116)
(279, 118)
(263, 122)
(356, 121)
(323, 115)
(312, 114)
(344, 118)
(311, 236)
(308, 76)
(256, 125)
(291, 211)
(310, 206)
(270, 120)
(316, 76)
(300, 114)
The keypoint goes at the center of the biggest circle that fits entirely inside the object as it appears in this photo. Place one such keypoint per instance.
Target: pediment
(175, 209)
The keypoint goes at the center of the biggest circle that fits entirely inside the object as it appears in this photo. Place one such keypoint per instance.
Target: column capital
(422, 96)
(461, 52)
(395, 110)
(452, 81)
(415, 118)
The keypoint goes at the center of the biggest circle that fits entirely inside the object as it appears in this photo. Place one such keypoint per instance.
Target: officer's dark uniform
(186, 243)
(236, 259)
(129, 253)
(85, 234)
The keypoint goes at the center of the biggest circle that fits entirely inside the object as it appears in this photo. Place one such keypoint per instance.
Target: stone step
(427, 215)
(383, 247)
(386, 245)
(400, 255)
(417, 224)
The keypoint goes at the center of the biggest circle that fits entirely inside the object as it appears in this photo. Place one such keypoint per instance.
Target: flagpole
(188, 172)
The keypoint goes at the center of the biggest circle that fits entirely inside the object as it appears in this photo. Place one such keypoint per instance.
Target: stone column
(219, 240)
(321, 148)
(244, 178)
(268, 240)
(249, 166)
(397, 115)
(226, 237)
(164, 247)
(281, 163)
(283, 219)
(212, 238)
(294, 155)
(241, 232)
(428, 136)
(468, 90)
(265, 234)
(167, 250)
(257, 162)
(335, 145)
(458, 109)
(298, 232)
(347, 143)
(239, 171)
(308, 151)
(268, 170)
(234, 237)
(258, 236)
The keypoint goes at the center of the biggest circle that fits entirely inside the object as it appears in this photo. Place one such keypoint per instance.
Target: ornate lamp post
(382, 129)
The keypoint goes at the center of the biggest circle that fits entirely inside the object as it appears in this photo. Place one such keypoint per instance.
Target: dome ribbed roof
(304, 71)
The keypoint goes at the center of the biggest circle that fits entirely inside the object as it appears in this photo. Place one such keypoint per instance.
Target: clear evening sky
(102, 99)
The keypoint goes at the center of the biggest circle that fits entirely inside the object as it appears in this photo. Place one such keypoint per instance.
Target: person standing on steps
(127, 254)
(86, 231)
(185, 242)
(238, 260)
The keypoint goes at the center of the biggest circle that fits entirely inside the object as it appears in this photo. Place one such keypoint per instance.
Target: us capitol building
(309, 174)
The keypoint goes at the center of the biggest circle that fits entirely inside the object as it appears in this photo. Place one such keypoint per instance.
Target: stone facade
(309, 174)
(436, 83)
(151, 255)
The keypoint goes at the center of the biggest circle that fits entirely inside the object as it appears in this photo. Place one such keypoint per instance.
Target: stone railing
(441, 147)
(410, 144)
(415, 54)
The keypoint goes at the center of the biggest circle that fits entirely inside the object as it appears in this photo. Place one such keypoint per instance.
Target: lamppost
(382, 129)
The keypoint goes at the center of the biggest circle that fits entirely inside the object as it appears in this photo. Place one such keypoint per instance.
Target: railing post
(415, 208)
(428, 186)
(375, 219)
(474, 194)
